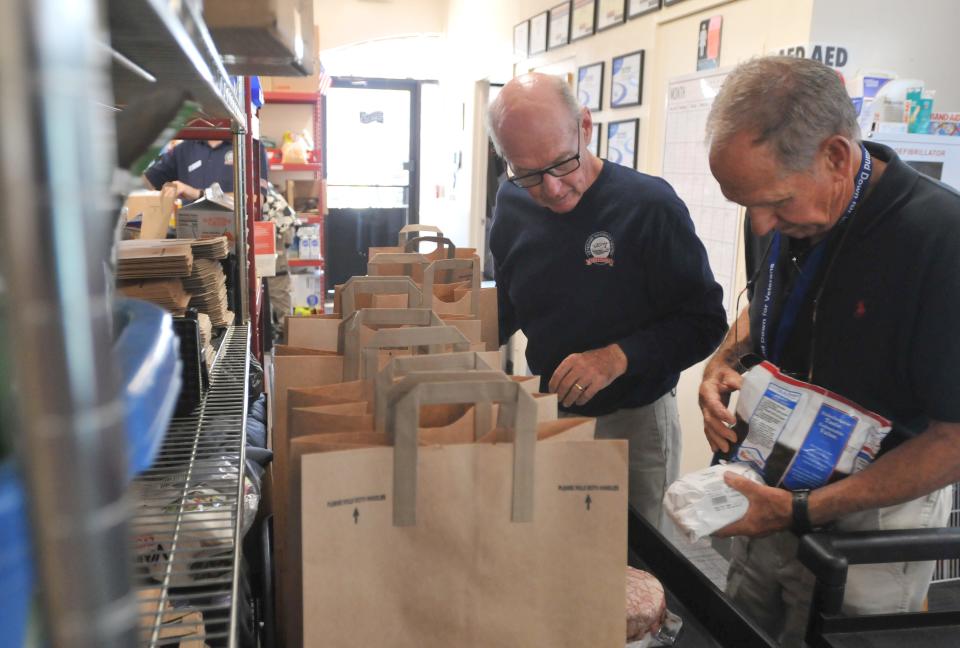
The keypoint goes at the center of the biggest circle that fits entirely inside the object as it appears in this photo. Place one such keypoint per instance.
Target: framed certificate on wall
(584, 20)
(594, 144)
(622, 142)
(610, 13)
(538, 34)
(521, 38)
(590, 85)
(639, 7)
(626, 83)
(559, 31)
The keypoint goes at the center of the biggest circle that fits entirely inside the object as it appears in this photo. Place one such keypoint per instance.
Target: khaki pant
(771, 586)
(653, 433)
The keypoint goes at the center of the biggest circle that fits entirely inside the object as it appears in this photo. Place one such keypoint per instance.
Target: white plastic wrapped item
(701, 503)
(798, 435)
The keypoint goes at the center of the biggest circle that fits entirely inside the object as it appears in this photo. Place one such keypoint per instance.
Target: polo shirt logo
(599, 249)
(860, 310)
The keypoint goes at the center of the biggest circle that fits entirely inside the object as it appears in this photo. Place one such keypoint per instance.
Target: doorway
(371, 153)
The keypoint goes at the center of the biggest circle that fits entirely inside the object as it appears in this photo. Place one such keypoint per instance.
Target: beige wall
(913, 39)
(344, 22)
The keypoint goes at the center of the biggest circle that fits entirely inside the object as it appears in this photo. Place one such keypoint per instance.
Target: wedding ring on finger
(578, 386)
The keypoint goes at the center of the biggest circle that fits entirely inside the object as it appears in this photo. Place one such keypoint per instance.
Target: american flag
(325, 80)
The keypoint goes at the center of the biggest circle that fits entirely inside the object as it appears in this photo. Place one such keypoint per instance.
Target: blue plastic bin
(16, 567)
(147, 351)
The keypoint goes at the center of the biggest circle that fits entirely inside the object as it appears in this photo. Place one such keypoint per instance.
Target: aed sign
(834, 56)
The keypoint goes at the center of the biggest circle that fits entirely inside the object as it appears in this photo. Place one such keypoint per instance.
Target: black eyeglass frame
(516, 180)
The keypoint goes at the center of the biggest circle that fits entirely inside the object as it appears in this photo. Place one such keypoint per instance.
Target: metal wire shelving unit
(94, 585)
(187, 529)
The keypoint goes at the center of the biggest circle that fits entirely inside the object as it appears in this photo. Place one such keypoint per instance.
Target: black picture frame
(558, 25)
(629, 94)
(596, 135)
(601, 26)
(593, 87)
(538, 33)
(613, 129)
(574, 34)
(637, 8)
(521, 38)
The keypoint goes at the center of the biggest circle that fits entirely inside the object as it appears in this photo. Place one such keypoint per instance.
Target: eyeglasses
(558, 170)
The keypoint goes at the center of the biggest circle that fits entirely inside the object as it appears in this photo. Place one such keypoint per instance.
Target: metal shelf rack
(58, 173)
(170, 41)
(188, 527)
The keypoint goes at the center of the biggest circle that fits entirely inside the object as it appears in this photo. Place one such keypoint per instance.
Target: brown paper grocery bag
(322, 331)
(475, 545)
(345, 426)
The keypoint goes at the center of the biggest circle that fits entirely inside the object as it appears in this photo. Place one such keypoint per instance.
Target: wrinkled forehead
(533, 136)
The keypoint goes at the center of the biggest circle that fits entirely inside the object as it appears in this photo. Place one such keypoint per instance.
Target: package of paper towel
(701, 503)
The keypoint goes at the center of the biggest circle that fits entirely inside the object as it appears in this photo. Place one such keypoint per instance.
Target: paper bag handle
(398, 367)
(413, 245)
(415, 227)
(453, 264)
(403, 419)
(483, 411)
(377, 286)
(407, 259)
(348, 333)
(430, 338)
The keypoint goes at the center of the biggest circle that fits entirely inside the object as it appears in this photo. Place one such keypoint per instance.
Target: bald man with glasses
(600, 267)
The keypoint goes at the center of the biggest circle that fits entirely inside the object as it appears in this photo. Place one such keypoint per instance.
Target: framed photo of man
(559, 30)
(590, 85)
(594, 144)
(584, 20)
(639, 7)
(626, 82)
(521, 38)
(622, 137)
(610, 13)
(538, 34)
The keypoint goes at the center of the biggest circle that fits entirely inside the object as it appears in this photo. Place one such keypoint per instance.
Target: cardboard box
(306, 291)
(263, 36)
(153, 210)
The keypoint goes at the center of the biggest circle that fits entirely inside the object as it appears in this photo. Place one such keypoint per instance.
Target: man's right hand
(719, 381)
(185, 191)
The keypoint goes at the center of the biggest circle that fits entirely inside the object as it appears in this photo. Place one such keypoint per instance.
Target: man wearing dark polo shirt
(194, 165)
(854, 260)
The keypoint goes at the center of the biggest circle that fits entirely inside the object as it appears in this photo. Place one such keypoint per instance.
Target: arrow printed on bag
(356, 515)
(588, 501)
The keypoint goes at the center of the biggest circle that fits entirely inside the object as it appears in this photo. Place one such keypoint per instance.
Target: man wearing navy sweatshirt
(600, 267)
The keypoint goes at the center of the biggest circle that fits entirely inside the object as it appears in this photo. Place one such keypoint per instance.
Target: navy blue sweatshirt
(624, 266)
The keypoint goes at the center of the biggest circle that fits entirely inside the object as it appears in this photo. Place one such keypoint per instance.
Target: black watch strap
(801, 512)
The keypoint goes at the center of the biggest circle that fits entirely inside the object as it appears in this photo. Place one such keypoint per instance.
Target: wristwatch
(801, 514)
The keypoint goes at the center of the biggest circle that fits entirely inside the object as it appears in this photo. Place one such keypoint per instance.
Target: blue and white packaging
(800, 435)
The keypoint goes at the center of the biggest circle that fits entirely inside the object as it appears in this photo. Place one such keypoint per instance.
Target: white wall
(914, 39)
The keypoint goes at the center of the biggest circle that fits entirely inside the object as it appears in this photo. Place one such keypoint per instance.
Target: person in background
(194, 165)
(854, 258)
(601, 269)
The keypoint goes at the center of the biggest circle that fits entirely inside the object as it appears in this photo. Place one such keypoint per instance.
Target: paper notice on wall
(686, 168)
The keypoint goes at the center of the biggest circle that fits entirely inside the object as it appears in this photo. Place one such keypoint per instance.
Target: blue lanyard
(788, 318)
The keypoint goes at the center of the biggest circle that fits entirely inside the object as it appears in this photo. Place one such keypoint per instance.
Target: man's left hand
(581, 375)
(771, 509)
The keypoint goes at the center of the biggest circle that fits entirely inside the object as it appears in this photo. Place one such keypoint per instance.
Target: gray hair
(793, 104)
(498, 108)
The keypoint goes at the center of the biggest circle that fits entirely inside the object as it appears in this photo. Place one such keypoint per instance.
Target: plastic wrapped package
(701, 503)
(649, 622)
(207, 513)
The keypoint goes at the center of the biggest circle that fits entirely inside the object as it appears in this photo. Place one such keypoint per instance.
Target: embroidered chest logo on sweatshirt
(599, 249)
